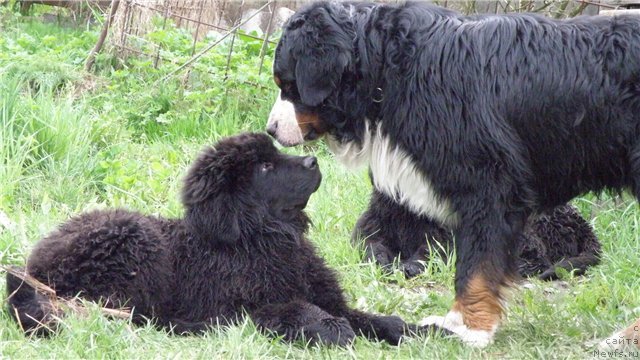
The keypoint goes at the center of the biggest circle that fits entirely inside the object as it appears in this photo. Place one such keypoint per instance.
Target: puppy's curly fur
(558, 239)
(240, 249)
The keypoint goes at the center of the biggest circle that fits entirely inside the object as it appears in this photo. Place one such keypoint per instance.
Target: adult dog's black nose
(271, 129)
(310, 162)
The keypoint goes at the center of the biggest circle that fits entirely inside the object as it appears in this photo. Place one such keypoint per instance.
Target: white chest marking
(395, 174)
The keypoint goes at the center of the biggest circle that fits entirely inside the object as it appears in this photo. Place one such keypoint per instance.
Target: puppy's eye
(265, 167)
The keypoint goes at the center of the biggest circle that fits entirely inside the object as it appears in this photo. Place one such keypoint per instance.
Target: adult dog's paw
(452, 322)
(549, 274)
(329, 331)
(412, 268)
(379, 254)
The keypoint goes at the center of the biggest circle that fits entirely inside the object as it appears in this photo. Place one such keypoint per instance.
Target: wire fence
(261, 20)
(201, 18)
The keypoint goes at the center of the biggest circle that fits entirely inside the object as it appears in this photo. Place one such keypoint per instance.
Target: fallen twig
(57, 303)
(103, 35)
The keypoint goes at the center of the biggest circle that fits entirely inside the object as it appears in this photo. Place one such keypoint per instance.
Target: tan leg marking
(475, 315)
(479, 304)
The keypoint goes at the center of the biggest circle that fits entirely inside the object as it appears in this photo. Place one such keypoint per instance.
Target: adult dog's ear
(323, 48)
(316, 78)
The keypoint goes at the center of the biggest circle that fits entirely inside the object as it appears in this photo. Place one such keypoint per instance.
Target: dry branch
(103, 35)
(59, 304)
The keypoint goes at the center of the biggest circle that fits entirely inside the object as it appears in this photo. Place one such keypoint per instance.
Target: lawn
(123, 135)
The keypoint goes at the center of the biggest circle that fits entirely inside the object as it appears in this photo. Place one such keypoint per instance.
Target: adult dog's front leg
(485, 266)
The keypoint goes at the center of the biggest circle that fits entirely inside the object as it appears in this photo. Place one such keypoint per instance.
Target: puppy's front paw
(390, 328)
(433, 329)
(329, 331)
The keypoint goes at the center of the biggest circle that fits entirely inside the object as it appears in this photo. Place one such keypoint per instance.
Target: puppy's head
(313, 56)
(235, 186)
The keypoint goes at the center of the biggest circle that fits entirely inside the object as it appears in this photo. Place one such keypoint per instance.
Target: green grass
(71, 141)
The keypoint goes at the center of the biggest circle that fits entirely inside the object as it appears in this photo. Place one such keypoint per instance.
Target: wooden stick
(73, 304)
(103, 35)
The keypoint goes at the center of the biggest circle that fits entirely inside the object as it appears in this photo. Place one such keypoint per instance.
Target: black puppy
(391, 232)
(239, 249)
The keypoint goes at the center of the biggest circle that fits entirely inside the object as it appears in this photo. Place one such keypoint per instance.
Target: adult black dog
(392, 234)
(240, 248)
(476, 121)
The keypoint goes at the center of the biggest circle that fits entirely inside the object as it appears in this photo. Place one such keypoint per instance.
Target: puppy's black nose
(271, 129)
(310, 162)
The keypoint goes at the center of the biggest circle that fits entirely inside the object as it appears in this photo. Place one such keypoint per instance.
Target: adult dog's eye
(265, 167)
(289, 91)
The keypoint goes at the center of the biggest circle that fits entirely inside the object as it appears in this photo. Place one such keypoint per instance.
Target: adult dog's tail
(33, 311)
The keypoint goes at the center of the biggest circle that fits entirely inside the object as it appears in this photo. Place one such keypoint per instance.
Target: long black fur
(240, 249)
(505, 115)
(392, 234)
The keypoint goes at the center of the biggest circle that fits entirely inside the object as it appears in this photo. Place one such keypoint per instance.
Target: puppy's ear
(324, 50)
(215, 222)
(212, 212)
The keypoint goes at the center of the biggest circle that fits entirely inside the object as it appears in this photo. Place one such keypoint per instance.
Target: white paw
(453, 322)
(432, 320)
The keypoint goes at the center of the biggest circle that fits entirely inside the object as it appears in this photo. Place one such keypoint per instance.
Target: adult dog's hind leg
(302, 320)
(377, 252)
(578, 264)
(367, 233)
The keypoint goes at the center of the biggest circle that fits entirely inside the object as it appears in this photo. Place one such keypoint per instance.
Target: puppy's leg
(183, 327)
(302, 320)
(376, 251)
(327, 294)
(33, 311)
(387, 327)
